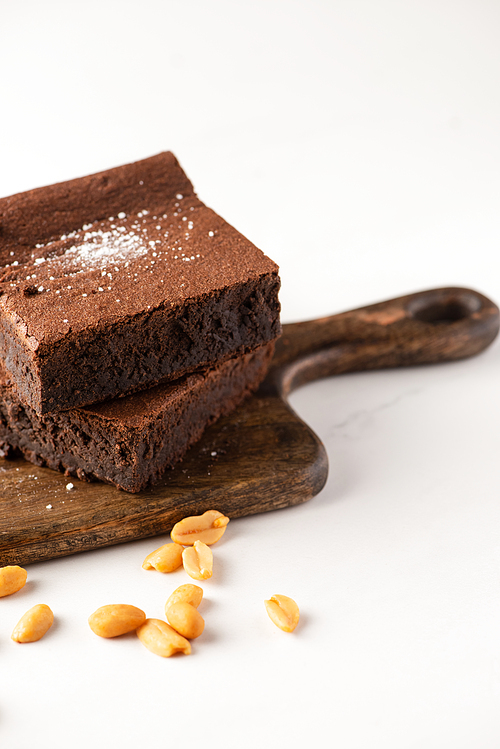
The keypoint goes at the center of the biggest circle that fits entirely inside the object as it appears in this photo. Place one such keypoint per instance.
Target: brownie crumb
(30, 290)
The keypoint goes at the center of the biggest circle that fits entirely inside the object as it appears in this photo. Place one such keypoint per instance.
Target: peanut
(34, 624)
(158, 637)
(198, 561)
(283, 611)
(208, 528)
(188, 593)
(116, 619)
(12, 579)
(165, 559)
(185, 619)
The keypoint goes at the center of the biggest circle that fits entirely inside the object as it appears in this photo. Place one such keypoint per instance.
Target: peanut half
(116, 619)
(185, 619)
(198, 561)
(187, 593)
(158, 637)
(165, 559)
(12, 579)
(283, 611)
(34, 624)
(208, 528)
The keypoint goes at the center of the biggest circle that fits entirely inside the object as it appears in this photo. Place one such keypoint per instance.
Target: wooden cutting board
(261, 457)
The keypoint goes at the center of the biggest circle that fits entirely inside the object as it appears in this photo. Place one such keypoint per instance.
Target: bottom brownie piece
(130, 441)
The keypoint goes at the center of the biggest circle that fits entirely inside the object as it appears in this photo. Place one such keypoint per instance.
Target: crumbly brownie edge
(153, 347)
(80, 442)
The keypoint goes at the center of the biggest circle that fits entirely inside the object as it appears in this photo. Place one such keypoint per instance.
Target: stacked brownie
(131, 317)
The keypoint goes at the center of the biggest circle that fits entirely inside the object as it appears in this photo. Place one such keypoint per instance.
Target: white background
(357, 143)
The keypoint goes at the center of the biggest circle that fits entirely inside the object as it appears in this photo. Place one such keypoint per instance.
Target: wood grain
(262, 457)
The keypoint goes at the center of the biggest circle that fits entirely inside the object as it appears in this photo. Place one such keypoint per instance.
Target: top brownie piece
(120, 280)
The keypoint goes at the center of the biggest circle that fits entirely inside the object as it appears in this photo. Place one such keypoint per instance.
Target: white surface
(356, 143)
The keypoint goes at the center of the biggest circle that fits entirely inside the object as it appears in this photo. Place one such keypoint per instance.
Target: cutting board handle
(428, 327)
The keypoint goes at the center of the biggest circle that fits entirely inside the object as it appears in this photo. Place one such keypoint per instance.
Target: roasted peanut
(12, 579)
(165, 559)
(283, 611)
(198, 561)
(208, 528)
(188, 593)
(185, 619)
(161, 639)
(34, 624)
(116, 619)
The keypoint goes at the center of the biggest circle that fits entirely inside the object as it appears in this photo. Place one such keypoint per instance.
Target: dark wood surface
(261, 457)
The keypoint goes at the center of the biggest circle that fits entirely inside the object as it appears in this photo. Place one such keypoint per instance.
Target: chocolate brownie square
(118, 281)
(129, 441)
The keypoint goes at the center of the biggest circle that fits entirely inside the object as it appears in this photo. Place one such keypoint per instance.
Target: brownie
(121, 280)
(129, 441)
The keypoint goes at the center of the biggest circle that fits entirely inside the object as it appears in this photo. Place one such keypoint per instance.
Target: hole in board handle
(444, 311)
